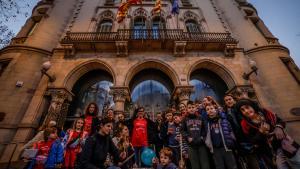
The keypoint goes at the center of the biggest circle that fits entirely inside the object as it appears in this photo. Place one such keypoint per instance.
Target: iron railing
(147, 34)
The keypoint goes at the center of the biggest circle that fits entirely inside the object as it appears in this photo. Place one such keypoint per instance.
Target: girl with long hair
(73, 141)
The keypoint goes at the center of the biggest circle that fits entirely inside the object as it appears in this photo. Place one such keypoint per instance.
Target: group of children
(199, 135)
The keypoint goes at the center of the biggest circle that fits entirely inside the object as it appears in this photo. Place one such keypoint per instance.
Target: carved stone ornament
(58, 98)
(243, 91)
(182, 93)
(107, 15)
(120, 94)
(122, 48)
(188, 15)
(179, 48)
(69, 50)
(140, 12)
(229, 50)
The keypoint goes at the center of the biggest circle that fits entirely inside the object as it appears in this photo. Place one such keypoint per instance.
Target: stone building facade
(212, 42)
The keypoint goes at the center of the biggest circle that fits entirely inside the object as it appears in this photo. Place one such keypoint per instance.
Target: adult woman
(122, 142)
(143, 132)
(90, 118)
(263, 127)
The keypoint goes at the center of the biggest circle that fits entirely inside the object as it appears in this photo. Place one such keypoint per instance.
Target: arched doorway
(93, 86)
(152, 89)
(207, 83)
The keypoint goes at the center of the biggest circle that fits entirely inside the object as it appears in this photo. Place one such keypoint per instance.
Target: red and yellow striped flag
(123, 9)
(157, 7)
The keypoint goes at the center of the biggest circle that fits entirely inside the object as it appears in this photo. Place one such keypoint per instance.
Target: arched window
(105, 26)
(139, 26)
(192, 26)
(157, 23)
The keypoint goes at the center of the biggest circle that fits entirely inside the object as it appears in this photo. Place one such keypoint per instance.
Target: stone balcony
(125, 40)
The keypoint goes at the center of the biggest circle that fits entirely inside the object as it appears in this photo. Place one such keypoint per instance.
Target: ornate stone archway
(215, 67)
(154, 64)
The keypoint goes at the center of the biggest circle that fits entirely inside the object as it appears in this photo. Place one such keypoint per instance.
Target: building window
(105, 26)
(292, 67)
(139, 28)
(3, 65)
(33, 27)
(157, 23)
(192, 26)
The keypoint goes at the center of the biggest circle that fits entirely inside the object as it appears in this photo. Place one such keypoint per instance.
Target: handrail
(147, 34)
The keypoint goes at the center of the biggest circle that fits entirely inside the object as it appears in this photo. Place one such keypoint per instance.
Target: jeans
(137, 155)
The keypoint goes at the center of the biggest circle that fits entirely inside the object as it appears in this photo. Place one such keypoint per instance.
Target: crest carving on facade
(107, 15)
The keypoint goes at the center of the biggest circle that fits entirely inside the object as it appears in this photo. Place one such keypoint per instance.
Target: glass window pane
(151, 94)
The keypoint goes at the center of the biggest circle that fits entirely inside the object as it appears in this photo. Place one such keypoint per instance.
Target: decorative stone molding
(243, 91)
(59, 104)
(140, 12)
(122, 48)
(179, 48)
(108, 14)
(69, 50)
(189, 15)
(229, 50)
(120, 93)
(182, 93)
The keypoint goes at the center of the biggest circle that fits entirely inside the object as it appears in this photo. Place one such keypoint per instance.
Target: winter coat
(192, 126)
(252, 131)
(227, 135)
(56, 154)
(95, 151)
(169, 166)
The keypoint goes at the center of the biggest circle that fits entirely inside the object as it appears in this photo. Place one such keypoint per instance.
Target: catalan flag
(123, 9)
(157, 7)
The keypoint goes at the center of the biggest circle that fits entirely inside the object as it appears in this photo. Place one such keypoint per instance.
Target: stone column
(120, 94)
(183, 93)
(58, 108)
(243, 91)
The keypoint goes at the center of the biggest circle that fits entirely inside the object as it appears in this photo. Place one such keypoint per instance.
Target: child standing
(220, 138)
(73, 141)
(165, 157)
(193, 132)
(50, 151)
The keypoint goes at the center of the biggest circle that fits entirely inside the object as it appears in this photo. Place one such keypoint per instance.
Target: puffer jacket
(56, 154)
(227, 134)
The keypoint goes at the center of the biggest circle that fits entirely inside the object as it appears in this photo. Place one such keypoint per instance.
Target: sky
(282, 17)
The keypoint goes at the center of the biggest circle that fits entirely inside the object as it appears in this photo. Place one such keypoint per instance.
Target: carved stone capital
(122, 48)
(59, 94)
(120, 93)
(182, 93)
(58, 107)
(179, 48)
(243, 91)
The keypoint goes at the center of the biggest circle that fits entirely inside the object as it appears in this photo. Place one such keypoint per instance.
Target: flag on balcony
(157, 7)
(123, 9)
(175, 7)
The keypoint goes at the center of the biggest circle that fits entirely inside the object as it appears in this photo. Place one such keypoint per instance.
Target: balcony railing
(147, 34)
